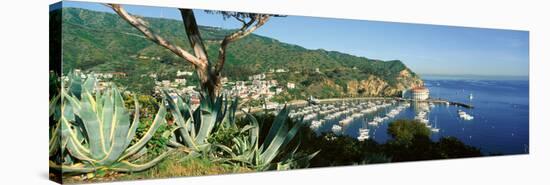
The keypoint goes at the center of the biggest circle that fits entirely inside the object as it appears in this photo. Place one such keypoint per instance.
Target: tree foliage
(404, 131)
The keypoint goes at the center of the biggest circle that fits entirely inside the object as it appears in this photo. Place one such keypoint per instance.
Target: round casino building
(420, 93)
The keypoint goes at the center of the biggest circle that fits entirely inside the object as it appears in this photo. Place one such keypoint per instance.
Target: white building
(180, 81)
(108, 75)
(184, 73)
(224, 80)
(280, 71)
(257, 77)
(166, 83)
(290, 85)
(278, 90)
(420, 93)
(271, 105)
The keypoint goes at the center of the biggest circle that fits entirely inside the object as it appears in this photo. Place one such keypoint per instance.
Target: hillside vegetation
(103, 42)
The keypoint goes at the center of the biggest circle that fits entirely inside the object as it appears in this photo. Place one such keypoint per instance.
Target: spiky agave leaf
(293, 160)
(108, 132)
(231, 120)
(249, 151)
(196, 126)
(54, 115)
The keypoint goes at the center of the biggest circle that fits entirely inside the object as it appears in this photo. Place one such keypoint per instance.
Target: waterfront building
(420, 93)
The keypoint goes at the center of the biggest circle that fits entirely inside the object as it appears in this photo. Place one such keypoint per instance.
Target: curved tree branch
(142, 26)
(193, 34)
(245, 30)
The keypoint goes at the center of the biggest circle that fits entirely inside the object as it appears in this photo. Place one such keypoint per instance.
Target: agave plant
(97, 131)
(55, 115)
(231, 117)
(70, 84)
(55, 112)
(194, 127)
(294, 160)
(247, 149)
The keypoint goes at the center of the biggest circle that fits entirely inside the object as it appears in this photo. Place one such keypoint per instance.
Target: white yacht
(346, 121)
(363, 134)
(434, 128)
(378, 119)
(374, 123)
(315, 124)
(336, 128)
(465, 115)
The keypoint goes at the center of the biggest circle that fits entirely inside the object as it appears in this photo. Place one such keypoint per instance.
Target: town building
(257, 77)
(278, 90)
(281, 71)
(290, 85)
(184, 73)
(180, 81)
(224, 80)
(165, 83)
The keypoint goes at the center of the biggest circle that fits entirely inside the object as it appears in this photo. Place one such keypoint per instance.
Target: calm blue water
(501, 114)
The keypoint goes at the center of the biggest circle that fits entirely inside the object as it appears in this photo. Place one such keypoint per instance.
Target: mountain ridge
(101, 41)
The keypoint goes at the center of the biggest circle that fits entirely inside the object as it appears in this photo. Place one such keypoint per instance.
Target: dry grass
(173, 166)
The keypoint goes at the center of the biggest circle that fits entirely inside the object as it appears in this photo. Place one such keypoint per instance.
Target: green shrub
(403, 131)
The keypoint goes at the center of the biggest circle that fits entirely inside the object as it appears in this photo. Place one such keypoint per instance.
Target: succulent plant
(213, 116)
(194, 127)
(96, 130)
(54, 116)
(247, 149)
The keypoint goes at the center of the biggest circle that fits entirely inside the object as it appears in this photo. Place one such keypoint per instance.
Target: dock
(439, 101)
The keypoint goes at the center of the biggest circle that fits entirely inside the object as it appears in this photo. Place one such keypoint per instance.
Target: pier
(439, 101)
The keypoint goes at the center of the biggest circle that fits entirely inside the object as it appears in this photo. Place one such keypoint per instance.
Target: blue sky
(426, 49)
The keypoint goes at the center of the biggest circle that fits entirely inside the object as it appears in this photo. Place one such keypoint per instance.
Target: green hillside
(104, 42)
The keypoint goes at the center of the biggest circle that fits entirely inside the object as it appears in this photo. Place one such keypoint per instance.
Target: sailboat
(434, 128)
(471, 96)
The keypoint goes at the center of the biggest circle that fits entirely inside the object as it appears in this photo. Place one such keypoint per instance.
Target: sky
(426, 49)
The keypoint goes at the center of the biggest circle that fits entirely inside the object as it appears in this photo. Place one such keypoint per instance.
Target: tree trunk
(209, 78)
(208, 74)
(209, 81)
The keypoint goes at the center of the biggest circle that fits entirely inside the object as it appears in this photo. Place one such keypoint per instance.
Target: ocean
(501, 114)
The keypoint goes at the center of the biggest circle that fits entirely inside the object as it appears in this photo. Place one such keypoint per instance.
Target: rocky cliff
(375, 86)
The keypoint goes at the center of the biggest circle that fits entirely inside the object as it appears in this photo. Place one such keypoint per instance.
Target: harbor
(447, 112)
(361, 117)
(302, 103)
